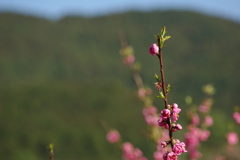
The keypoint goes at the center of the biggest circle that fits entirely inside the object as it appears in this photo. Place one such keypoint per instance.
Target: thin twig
(164, 89)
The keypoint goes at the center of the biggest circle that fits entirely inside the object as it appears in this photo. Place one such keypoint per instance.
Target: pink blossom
(175, 117)
(236, 116)
(175, 108)
(232, 138)
(163, 123)
(208, 121)
(166, 113)
(179, 148)
(175, 112)
(153, 50)
(113, 136)
(170, 156)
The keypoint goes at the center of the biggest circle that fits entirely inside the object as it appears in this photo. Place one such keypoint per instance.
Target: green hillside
(60, 80)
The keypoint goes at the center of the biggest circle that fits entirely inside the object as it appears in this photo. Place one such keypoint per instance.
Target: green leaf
(156, 77)
(169, 88)
(163, 31)
(167, 37)
(161, 95)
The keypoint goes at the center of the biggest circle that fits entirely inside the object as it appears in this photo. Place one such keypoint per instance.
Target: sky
(56, 9)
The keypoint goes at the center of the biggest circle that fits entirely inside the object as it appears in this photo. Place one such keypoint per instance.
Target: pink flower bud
(153, 50)
(164, 144)
(176, 127)
(174, 105)
(203, 108)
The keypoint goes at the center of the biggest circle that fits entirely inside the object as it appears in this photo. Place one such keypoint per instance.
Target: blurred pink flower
(131, 153)
(151, 120)
(236, 116)
(195, 119)
(204, 135)
(150, 115)
(142, 93)
(194, 154)
(192, 138)
(232, 138)
(208, 121)
(149, 111)
(158, 155)
(203, 108)
(113, 136)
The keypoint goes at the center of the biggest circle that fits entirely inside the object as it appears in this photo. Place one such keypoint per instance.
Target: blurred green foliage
(59, 81)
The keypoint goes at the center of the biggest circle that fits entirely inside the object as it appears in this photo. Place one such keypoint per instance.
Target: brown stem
(164, 89)
(163, 78)
(51, 157)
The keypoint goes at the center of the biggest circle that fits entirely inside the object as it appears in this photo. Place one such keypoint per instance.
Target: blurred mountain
(60, 80)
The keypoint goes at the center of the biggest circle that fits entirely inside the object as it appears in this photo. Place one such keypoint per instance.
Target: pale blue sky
(55, 9)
